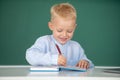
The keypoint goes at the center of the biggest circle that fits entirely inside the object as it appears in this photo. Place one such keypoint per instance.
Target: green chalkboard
(98, 28)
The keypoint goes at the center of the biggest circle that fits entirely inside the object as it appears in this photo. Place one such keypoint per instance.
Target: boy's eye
(59, 30)
(69, 31)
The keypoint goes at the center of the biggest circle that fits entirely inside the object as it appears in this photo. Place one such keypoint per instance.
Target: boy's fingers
(83, 64)
(86, 65)
(62, 63)
(62, 60)
(77, 65)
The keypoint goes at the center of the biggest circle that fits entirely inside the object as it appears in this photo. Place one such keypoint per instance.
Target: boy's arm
(34, 57)
(84, 60)
(39, 54)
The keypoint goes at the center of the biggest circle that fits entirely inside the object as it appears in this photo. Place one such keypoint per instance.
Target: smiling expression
(62, 29)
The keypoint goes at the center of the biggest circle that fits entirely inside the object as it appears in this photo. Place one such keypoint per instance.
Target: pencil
(58, 49)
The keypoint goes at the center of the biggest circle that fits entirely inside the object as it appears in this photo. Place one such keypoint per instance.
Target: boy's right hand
(61, 60)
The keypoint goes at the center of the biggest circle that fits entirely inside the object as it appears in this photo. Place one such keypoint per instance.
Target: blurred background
(98, 28)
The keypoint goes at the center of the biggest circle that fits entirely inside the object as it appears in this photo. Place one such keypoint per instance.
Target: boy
(58, 48)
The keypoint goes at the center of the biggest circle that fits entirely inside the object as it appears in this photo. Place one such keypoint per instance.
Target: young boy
(58, 48)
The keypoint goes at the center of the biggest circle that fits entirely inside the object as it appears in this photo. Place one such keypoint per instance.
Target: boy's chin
(63, 42)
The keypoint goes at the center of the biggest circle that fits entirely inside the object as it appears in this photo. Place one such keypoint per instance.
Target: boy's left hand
(83, 64)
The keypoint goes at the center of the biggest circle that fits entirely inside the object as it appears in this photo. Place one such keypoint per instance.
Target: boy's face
(63, 29)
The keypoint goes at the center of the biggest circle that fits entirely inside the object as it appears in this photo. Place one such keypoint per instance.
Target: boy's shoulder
(74, 43)
(44, 38)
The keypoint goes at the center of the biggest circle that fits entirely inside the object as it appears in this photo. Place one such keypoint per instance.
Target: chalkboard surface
(98, 28)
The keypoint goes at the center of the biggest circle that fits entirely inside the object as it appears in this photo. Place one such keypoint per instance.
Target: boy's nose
(64, 34)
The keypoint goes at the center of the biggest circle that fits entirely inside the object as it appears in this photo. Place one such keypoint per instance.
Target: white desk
(21, 72)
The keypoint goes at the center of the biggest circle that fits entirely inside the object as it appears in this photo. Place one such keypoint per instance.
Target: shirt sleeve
(38, 54)
(84, 57)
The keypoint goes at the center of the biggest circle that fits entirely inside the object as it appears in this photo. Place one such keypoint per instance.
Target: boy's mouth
(63, 39)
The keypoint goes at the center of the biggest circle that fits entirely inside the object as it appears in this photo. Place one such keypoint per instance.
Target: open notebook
(55, 68)
(44, 69)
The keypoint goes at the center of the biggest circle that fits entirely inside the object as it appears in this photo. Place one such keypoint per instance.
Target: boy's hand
(83, 64)
(61, 60)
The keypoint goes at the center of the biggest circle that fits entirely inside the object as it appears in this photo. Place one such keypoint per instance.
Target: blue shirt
(44, 52)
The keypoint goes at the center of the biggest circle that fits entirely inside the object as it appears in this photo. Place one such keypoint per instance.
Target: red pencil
(58, 49)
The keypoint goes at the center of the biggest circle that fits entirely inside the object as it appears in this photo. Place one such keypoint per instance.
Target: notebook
(55, 68)
(44, 69)
(72, 68)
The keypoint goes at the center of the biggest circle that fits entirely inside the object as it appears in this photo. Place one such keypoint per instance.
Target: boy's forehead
(68, 24)
(64, 20)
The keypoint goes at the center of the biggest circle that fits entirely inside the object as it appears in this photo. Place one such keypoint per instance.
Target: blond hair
(63, 10)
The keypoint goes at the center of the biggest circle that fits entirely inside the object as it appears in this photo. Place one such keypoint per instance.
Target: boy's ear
(50, 25)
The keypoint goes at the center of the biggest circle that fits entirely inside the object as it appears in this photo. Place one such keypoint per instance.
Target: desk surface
(20, 72)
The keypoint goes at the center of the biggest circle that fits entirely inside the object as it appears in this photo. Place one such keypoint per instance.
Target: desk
(21, 72)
